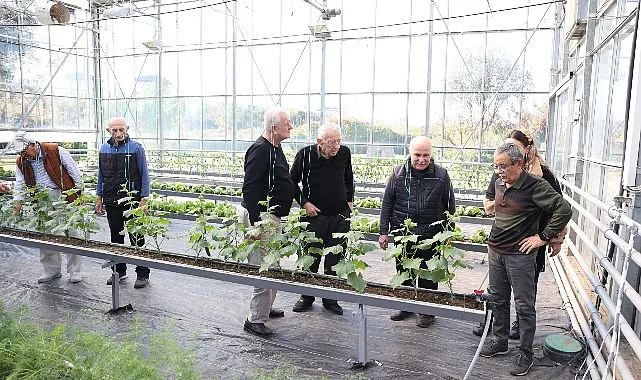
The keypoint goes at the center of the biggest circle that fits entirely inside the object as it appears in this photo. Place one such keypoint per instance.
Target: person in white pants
(48, 166)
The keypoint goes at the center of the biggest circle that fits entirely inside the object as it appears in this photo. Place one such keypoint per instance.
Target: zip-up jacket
(422, 196)
(124, 163)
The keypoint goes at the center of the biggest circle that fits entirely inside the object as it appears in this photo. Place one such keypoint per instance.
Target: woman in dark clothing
(534, 164)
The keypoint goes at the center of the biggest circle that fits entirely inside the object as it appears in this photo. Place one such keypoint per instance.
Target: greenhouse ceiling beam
(445, 311)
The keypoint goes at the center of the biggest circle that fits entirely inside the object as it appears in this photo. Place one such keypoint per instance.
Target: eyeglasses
(333, 142)
(500, 167)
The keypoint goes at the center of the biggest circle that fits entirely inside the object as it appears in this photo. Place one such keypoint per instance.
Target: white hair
(323, 129)
(273, 117)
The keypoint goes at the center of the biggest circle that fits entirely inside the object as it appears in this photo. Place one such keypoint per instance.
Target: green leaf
(343, 268)
(304, 262)
(399, 279)
(356, 281)
(269, 260)
(412, 263)
(392, 253)
(359, 264)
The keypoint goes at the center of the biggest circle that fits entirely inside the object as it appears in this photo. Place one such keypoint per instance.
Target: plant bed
(441, 303)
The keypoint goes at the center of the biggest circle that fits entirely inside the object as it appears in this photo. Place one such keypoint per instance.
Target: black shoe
(258, 329)
(334, 307)
(401, 315)
(494, 347)
(522, 364)
(478, 330)
(425, 320)
(141, 282)
(276, 313)
(302, 305)
(515, 333)
(110, 281)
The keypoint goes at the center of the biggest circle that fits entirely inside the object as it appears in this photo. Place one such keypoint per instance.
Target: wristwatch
(544, 237)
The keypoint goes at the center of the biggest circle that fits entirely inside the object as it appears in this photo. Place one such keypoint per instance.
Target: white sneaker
(75, 277)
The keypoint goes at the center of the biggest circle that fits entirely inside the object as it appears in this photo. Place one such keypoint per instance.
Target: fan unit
(50, 13)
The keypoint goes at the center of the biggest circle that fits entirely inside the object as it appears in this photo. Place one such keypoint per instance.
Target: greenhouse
(195, 90)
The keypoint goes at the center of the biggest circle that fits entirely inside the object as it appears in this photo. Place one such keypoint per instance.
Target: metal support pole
(115, 290)
(115, 284)
(322, 73)
(362, 336)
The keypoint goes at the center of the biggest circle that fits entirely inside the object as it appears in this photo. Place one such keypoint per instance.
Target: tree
(484, 97)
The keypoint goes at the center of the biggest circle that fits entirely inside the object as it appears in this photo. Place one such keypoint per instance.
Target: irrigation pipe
(579, 324)
(478, 349)
(571, 278)
(628, 332)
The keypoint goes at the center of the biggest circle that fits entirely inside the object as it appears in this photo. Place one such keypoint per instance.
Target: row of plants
(366, 202)
(232, 241)
(366, 169)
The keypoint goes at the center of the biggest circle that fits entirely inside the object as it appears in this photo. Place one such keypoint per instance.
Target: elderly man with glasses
(520, 200)
(325, 171)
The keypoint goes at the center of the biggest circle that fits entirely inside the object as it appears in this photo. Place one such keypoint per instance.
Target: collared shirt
(519, 208)
(40, 173)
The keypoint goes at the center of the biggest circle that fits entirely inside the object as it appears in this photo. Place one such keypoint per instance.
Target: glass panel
(65, 113)
(391, 64)
(390, 124)
(146, 118)
(297, 72)
(418, 64)
(266, 70)
(190, 74)
(172, 110)
(614, 152)
(601, 85)
(559, 130)
(214, 119)
(356, 113)
(170, 74)
(538, 60)
(213, 79)
(357, 77)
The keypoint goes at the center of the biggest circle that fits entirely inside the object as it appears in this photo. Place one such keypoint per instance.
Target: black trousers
(116, 220)
(424, 254)
(323, 227)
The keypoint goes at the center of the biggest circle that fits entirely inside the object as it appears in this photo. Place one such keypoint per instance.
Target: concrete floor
(316, 343)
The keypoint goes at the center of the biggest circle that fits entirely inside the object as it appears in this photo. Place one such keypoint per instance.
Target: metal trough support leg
(115, 290)
(115, 285)
(362, 336)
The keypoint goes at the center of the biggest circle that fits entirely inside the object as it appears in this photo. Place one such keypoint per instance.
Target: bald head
(420, 152)
(118, 128)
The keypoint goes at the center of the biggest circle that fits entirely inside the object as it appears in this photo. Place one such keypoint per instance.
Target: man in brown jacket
(48, 166)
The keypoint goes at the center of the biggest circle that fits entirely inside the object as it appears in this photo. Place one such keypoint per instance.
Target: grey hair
(273, 117)
(323, 129)
(513, 152)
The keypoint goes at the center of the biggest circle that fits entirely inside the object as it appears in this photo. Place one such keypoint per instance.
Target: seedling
(144, 221)
(351, 266)
(77, 215)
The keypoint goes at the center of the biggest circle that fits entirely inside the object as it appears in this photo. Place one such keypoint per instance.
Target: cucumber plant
(144, 220)
(351, 266)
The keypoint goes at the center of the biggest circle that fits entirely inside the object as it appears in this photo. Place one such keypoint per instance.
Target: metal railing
(606, 361)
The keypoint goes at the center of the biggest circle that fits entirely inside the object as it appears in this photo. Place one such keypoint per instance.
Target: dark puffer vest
(422, 196)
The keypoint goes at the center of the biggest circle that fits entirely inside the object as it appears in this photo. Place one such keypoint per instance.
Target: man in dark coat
(421, 191)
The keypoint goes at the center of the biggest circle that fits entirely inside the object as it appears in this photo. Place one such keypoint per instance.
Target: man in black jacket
(325, 170)
(266, 175)
(422, 191)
